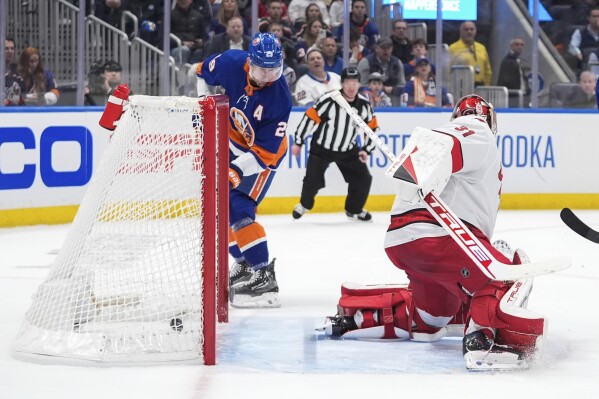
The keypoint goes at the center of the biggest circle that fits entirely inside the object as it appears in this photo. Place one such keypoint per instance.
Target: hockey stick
(461, 234)
(578, 226)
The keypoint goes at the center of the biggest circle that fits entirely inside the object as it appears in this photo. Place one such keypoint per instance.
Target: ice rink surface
(275, 353)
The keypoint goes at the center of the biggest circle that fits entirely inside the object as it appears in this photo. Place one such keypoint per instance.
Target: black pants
(354, 172)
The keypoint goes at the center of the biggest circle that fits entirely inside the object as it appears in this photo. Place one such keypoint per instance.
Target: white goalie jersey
(473, 190)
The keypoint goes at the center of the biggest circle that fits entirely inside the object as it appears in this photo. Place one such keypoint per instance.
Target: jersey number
(280, 132)
(464, 128)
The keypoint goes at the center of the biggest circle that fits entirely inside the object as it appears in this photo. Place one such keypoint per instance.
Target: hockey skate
(482, 354)
(299, 211)
(336, 326)
(260, 291)
(364, 216)
(239, 274)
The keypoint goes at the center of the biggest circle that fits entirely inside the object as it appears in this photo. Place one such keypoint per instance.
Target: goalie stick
(578, 226)
(461, 234)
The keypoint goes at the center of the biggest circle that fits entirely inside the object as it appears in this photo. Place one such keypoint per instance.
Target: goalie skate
(336, 326)
(261, 291)
(482, 354)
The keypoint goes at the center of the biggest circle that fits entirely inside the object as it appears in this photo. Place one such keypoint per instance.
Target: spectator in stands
(233, 38)
(103, 79)
(187, 24)
(402, 47)
(374, 91)
(388, 65)
(336, 13)
(149, 13)
(420, 90)
(359, 20)
(559, 29)
(245, 9)
(309, 39)
(14, 87)
(467, 51)
(311, 12)
(317, 81)
(357, 50)
(419, 50)
(275, 14)
(332, 62)
(96, 89)
(113, 71)
(111, 11)
(297, 11)
(263, 9)
(227, 10)
(205, 8)
(584, 44)
(40, 85)
(584, 95)
(511, 71)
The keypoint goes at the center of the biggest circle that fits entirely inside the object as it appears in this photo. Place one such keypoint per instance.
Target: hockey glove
(115, 107)
(235, 175)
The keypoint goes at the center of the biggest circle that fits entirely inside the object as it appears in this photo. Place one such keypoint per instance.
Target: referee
(334, 140)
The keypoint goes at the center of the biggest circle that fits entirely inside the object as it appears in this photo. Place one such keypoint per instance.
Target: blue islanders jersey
(258, 115)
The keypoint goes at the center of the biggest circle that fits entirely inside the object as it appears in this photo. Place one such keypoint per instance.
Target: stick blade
(578, 226)
(504, 271)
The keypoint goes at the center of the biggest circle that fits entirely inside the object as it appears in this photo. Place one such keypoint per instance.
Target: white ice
(276, 353)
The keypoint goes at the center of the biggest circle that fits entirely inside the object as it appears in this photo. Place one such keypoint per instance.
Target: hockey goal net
(138, 275)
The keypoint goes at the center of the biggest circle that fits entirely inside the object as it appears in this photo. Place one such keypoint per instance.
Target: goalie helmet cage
(136, 280)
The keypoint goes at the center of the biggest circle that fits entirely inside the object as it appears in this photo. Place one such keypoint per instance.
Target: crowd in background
(395, 71)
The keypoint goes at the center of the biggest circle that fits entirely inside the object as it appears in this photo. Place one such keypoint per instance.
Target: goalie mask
(266, 58)
(476, 105)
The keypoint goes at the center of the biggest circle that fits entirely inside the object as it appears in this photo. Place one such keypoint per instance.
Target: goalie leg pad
(384, 312)
(503, 307)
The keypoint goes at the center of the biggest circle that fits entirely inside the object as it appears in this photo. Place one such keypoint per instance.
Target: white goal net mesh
(127, 284)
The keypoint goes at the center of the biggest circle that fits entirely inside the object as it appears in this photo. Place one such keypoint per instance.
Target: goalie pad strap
(391, 308)
(387, 302)
(388, 317)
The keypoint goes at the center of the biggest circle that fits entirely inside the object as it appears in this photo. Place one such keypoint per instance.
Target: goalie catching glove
(115, 107)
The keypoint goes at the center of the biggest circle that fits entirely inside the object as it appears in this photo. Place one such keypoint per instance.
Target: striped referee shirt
(332, 128)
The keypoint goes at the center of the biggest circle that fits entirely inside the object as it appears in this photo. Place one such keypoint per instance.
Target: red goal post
(142, 276)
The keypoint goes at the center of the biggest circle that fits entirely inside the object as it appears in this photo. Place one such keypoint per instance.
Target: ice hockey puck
(177, 324)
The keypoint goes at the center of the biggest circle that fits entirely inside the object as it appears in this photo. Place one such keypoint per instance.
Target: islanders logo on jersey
(242, 125)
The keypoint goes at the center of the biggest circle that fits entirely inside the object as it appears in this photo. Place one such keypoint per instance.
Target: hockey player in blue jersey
(260, 104)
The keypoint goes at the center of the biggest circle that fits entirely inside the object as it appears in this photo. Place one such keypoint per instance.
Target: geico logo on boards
(10, 176)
